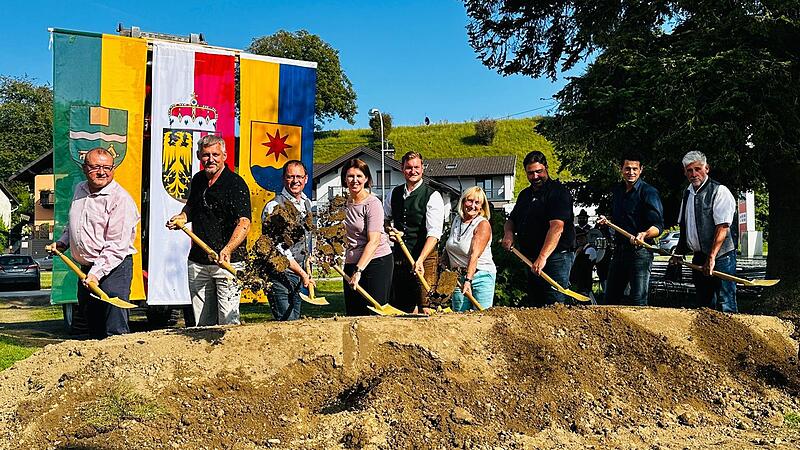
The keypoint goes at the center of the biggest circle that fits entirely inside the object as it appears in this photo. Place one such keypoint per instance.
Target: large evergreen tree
(666, 77)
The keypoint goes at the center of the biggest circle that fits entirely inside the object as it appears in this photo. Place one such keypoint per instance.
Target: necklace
(462, 233)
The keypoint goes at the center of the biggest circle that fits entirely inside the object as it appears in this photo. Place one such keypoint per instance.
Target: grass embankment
(454, 140)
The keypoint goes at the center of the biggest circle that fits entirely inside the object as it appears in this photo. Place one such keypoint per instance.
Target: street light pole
(373, 112)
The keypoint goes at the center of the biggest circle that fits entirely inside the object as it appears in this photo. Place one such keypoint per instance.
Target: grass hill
(454, 140)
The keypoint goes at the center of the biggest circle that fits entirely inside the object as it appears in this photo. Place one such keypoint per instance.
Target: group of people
(415, 213)
(103, 220)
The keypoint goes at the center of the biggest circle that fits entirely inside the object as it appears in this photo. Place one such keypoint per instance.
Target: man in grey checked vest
(708, 221)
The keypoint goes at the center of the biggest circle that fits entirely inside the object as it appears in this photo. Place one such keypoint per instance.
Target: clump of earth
(284, 227)
(556, 377)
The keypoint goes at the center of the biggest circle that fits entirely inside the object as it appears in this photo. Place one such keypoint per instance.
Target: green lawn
(13, 350)
(514, 137)
(331, 290)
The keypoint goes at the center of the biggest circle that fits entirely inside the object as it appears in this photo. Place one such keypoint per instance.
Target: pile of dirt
(559, 377)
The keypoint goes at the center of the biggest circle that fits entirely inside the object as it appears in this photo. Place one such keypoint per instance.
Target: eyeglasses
(97, 168)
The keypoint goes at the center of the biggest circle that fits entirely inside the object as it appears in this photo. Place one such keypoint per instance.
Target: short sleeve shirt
(214, 212)
(361, 219)
(532, 215)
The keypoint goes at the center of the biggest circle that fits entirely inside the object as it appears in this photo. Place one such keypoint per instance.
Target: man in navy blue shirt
(542, 220)
(636, 208)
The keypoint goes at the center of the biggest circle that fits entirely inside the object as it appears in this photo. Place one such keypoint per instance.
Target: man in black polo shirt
(219, 210)
(543, 221)
(636, 208)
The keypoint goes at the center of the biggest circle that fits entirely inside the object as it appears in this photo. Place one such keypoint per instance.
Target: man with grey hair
(708, 228)
(219, 209)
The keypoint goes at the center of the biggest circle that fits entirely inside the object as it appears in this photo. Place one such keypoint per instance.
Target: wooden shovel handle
(359, 289)
(81, 276)
(722, 275)
(410, 260)
(308, 271)
(214, 255)
(472, 300)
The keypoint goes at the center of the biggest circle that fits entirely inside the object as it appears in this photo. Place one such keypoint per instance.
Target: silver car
(45, 263)
(19, 272)
(669, 241)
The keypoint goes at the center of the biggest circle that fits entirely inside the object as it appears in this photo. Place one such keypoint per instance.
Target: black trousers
(376, 279)
(105, 319)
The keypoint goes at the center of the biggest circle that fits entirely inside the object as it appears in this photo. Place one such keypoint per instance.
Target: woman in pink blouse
(368, 257)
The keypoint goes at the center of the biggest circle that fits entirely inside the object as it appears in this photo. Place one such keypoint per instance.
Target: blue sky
(409, 58)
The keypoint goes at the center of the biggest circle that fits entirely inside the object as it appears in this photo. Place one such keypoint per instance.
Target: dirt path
(508, 378)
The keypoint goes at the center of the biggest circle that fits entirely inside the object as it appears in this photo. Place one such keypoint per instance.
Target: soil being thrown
(559, 377)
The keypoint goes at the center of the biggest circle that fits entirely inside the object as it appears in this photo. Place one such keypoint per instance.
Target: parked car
(19, 272)
(669, 241)
(45, 263)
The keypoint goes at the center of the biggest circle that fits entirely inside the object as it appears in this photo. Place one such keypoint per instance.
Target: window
(450, 167)
(485, 184)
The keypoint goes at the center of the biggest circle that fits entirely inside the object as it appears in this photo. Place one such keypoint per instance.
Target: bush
(512, 273)
(485, 129)
(375, 124)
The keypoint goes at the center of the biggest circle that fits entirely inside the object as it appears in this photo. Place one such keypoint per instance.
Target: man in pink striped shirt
(100, 232)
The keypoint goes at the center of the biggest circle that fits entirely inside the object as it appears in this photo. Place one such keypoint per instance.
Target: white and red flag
(193, 95)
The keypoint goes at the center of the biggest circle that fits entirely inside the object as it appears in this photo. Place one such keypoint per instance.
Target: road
(17, 294)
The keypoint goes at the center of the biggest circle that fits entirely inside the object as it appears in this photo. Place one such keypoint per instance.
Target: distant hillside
(455, 140)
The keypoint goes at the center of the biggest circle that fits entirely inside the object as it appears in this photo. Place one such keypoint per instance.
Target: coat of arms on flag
(95, 126)
(271, 146)
(188, 122)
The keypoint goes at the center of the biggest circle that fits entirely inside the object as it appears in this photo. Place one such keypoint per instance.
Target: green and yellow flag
(99, 94)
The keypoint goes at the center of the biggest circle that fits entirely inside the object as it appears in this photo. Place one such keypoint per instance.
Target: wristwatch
(467, 280)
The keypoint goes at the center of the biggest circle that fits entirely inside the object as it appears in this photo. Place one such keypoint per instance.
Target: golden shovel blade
(319, 301)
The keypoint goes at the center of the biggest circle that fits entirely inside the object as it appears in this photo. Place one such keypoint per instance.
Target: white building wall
(508, 182)
(333, 179)
(5, 210)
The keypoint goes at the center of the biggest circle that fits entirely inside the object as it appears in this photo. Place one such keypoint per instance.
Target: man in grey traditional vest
(707, 220)
(284, 292)
(417, 210)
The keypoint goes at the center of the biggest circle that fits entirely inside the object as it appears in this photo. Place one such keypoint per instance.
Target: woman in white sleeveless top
(469, 250)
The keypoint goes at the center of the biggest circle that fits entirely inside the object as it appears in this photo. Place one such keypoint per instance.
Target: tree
(26, 123)
(668, 77)
(375, 125)
(335, 94)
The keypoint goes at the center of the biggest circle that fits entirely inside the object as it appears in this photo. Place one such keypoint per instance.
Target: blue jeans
(629, 265)
(482, 290)
(714, 292)
(540, 293)
(284, 296)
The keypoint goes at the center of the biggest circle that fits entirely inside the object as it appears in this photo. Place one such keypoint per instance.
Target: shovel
(214, 255)
(472, 300)
(311, 298)
(116, 301)
(724, 276)
(385, 310)
(398, 236)
(552, 282)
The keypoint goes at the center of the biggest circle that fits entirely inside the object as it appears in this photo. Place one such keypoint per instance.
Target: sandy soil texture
(558, 377)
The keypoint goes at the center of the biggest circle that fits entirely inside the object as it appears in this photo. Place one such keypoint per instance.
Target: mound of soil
(559, 377)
